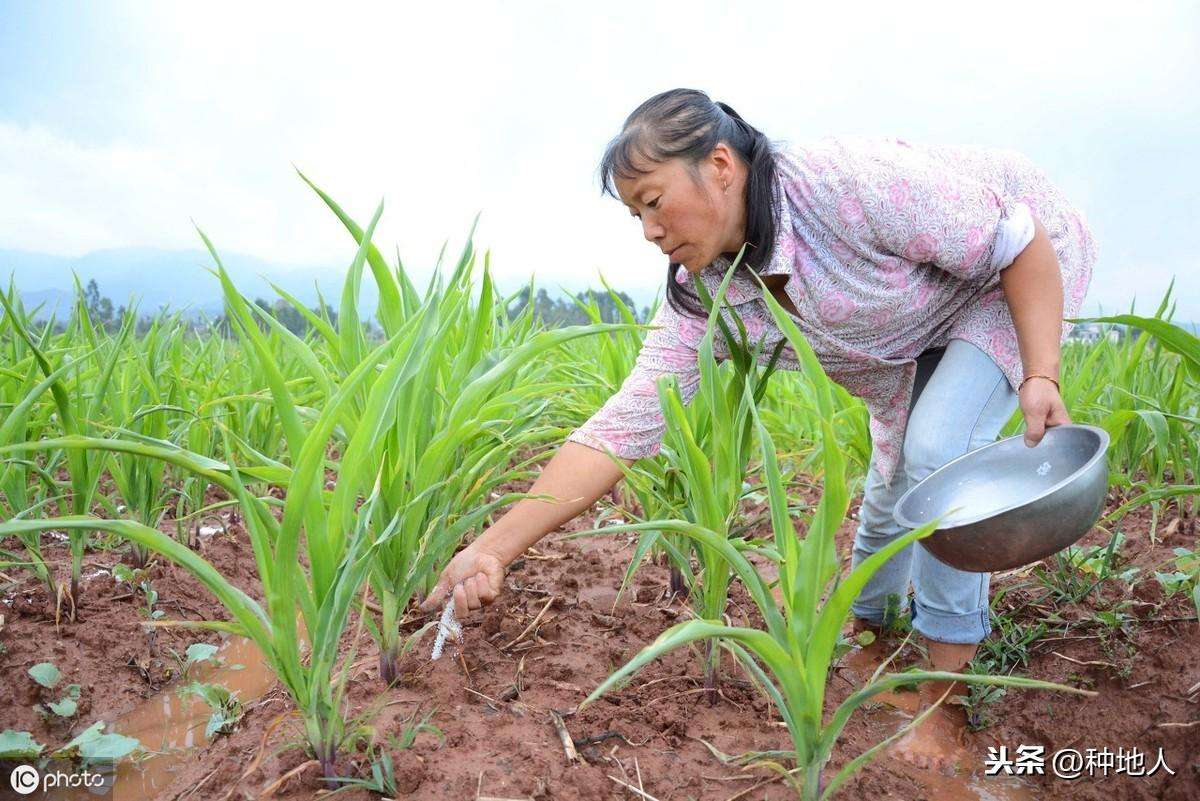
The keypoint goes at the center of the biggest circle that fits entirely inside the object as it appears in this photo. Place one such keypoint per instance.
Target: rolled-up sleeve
(1014, 235)
(630, 423)
(902, 201)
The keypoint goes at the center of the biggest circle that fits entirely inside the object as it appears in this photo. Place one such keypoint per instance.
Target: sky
(122, 122)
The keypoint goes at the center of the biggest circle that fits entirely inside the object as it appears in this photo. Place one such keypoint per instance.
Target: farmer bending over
(931, 281)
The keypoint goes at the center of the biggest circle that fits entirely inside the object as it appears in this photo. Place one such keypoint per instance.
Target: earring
(726, 185)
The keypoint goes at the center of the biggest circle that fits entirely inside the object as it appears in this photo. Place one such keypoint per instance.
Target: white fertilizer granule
(447, 625)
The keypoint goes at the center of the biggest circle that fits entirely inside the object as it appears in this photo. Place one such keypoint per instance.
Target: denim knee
(926, 451)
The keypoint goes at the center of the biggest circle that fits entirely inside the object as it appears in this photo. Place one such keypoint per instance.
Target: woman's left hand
(1043, 407)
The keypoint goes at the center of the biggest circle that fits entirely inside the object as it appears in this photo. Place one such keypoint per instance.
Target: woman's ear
(722, 160)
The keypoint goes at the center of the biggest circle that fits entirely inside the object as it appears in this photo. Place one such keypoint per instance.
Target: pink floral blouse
(890, 249)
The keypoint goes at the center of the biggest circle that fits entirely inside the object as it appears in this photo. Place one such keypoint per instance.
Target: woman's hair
(686, 124)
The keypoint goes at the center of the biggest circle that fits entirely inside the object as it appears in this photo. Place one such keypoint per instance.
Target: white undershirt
(1013, 236)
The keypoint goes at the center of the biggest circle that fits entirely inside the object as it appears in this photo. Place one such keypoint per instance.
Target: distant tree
(563, 311)
(99, 309)
(287, 314)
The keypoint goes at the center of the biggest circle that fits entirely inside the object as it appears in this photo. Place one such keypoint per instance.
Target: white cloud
(505, 108)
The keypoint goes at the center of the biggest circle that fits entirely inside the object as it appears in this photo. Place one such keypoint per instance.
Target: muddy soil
(556, 632)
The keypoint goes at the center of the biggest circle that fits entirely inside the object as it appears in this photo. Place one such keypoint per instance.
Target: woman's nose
(652, 230)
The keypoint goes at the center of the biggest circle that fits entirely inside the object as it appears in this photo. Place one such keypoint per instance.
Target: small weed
(846, 644)
(48, 676)
(1185, 577)
(197, 653)
(408, 734)
(383, 777)
(1010, 650)
(979, 698)
(1078, 570)
(1086, 682)
(1002, 654)
(127, 575)
(893, 619)
(226, 708)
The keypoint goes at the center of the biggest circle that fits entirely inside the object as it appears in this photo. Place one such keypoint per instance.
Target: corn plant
(790, 659)
(204, 374)
(137, 407)
(1168, 409)
(79, 409)
(790, 413)
(709, 447)
(341, 544)
(658, 488)
(595, 367)
(27, 487)
(476, 391)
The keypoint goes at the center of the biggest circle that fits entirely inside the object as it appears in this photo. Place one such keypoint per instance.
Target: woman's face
(692, 223)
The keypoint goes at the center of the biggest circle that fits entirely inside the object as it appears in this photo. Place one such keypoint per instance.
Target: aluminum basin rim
(1100, 453)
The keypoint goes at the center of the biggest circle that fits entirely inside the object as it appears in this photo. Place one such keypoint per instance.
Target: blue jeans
(961, 400)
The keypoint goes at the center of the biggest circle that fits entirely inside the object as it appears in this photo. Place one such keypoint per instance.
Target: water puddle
(174, 724)
(971, 785)
(897, 709)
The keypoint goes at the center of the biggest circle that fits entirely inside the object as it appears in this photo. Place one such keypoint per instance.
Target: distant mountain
(179, 279)
(175, 278)
(46, 302)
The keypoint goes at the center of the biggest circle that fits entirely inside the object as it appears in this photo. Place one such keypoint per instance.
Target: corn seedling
(1146, 394)
(26, 486)
(474, 390)
(341, 548)
(77, 410)
(708, 447)
(137, 405)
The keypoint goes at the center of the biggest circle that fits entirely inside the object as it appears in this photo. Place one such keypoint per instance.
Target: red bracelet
(1039, 375)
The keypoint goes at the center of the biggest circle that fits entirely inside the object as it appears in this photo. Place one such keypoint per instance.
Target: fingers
(472, 593)
(1035, 428)
(1042, 416)
(435, 598)
(487, 591)
(460, 601)
(1058, 415)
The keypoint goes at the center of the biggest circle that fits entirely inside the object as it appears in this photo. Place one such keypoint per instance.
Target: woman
(930, 281)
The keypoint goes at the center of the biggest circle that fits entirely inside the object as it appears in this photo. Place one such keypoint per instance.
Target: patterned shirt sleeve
(630, 423)
(903, 201)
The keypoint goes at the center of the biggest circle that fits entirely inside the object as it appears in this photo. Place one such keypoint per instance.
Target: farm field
(508, 748)
(214, 542)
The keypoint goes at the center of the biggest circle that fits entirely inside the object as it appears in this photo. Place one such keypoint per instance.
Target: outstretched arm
(629, 425)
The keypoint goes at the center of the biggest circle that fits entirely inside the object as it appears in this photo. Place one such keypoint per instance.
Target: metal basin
(1005, 505)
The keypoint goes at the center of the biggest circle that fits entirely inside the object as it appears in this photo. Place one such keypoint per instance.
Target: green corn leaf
(757, 642)
(1172, 337)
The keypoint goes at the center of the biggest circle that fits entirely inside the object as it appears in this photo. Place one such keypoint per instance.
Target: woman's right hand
(476, 575)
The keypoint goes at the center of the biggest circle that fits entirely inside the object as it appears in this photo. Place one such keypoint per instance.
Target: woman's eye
(653, 204)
